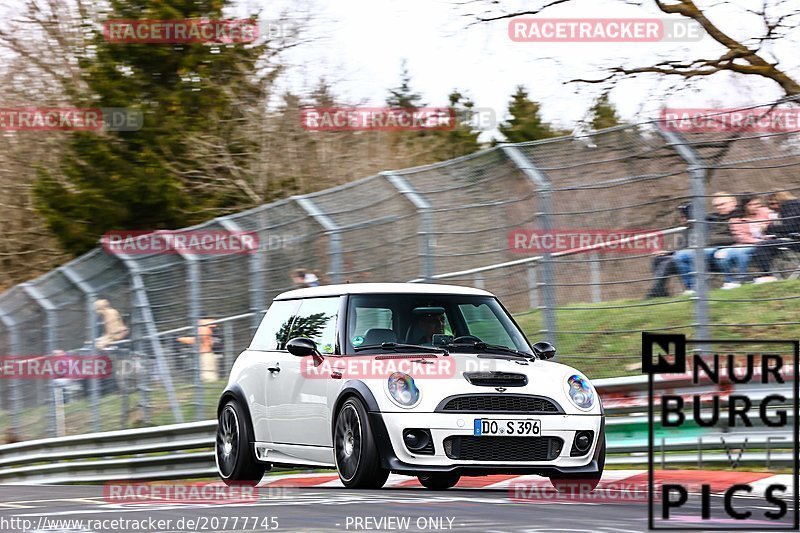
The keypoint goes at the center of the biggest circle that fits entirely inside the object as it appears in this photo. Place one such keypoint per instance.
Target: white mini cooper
(433, 381)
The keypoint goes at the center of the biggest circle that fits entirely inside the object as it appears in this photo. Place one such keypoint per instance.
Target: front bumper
(388, 429)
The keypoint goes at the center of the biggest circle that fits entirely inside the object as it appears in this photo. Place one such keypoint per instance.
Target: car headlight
(403, 390)
(580, 392)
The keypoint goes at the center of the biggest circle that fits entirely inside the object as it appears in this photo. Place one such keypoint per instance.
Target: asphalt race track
(50, 508)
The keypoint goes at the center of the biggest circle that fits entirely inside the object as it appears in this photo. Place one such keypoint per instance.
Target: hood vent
(496, 379)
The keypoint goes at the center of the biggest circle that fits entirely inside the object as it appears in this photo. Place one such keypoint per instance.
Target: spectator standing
(113, 326)
(303, 278)
(114, 330)
(208, 359)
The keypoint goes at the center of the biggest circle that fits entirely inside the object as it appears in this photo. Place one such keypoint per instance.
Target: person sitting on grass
(785, 226)
(748, 230)
(719, 236)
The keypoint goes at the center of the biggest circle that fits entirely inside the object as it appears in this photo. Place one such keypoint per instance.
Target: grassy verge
(78, 413)
(612, 346)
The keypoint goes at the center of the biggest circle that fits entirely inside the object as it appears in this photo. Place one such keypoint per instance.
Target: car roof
(381, 288)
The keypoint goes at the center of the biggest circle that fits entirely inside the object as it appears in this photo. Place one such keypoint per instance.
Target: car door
(268, 346)
(297, 402)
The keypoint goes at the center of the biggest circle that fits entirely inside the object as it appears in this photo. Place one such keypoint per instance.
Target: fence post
(16, 398)
(193, 279)
(50, 344)
(142, 303)
(227, 357)
(255, 270)
(91, 331)
(423, 208)
(697, 173)
(333, 232)
(543, 188)
(594, 266)
(138, 339)
(533, 286)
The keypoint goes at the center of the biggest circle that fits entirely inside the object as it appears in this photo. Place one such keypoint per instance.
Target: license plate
(507, 427)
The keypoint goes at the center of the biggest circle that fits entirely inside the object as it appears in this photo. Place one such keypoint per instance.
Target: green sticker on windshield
(358, 340)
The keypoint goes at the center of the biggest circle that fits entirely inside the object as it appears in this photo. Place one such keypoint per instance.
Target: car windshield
(430, 320)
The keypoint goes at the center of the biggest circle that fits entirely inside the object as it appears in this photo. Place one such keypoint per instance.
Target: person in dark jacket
(663, 263)
(719, 236)
(785, 226)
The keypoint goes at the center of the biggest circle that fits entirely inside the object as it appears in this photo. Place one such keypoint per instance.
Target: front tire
(232, 451)
(441, 481)
(580, 483)
(355, 450)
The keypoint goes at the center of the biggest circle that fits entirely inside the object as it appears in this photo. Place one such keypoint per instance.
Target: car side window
(371, 325)
(367, 318)
(273, 332)
(316, 320)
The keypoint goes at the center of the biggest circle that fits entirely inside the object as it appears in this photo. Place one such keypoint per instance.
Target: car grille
(469, 448)
(496, 379)
(499, 403)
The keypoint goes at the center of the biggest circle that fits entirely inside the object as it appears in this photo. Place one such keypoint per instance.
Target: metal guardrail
(181, 451)
(162, 452)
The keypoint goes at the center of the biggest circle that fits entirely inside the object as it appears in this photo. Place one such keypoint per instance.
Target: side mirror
(302, 347)
(544, 350)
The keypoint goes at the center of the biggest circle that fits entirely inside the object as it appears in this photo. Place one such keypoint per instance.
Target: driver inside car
(425, 327)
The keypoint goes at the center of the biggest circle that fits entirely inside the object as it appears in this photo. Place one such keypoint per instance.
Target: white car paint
(292, 415)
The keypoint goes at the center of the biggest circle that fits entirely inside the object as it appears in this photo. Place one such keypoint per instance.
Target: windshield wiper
(493, 347)
(399, 346)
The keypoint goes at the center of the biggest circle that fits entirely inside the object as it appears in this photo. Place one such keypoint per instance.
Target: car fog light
(582, 443)
(418, 440)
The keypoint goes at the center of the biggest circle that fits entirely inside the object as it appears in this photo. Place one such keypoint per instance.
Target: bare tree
(778, 20)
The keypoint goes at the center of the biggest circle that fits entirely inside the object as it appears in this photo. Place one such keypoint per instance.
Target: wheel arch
(235, 392)
(360, 390)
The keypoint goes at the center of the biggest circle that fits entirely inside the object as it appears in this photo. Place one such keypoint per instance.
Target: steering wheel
(465, 338)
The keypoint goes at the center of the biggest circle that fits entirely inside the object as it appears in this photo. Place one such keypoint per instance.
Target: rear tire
(439, 481)
(580, 483)
(233, 449)
(357, 459)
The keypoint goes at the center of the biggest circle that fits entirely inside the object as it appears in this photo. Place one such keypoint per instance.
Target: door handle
(336, 375)
(273, 369)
